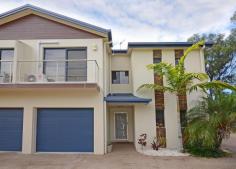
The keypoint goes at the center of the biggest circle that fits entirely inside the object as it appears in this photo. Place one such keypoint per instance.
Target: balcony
(49, 73)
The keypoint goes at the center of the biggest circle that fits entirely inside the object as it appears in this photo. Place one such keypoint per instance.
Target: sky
(143, 20)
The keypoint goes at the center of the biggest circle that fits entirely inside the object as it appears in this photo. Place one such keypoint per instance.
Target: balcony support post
(14, 66)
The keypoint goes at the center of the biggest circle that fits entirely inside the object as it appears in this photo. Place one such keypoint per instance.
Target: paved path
(123, 157)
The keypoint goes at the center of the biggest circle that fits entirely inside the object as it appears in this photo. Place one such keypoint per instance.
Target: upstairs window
(65, 64)
(156, 56)
(120, 77)
(6, 64)
(178, 54)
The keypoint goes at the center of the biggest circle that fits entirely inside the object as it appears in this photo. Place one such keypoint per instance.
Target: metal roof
(163, 44)
(125, 98)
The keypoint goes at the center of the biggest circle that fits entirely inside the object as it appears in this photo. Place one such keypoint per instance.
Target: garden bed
(162, 152)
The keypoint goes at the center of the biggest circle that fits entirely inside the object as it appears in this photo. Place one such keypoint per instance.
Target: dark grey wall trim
(162, 44)
(119, 51)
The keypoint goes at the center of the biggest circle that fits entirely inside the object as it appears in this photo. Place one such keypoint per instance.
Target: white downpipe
(104, 103)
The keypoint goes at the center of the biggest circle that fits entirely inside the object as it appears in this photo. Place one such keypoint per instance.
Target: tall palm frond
(217, 85)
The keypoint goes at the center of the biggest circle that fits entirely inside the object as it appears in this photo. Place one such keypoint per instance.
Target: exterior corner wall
(29, 130)
(171, 115)
(121, 62)
(108, 129)
(30, 100)
(195, 63)
(144, 122)
(107, 70)
(170, 103)
(144, 115)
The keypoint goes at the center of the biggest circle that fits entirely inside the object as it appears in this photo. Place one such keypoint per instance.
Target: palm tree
(178, 82)
(211, 121)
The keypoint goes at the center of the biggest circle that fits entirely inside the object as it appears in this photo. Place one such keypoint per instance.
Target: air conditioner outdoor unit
(5, 78)
(35, 78)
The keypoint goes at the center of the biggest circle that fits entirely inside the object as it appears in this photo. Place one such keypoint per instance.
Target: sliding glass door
(76, 67)
(67, 64)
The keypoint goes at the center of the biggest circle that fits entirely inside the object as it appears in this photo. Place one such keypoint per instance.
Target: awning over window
(125, 98)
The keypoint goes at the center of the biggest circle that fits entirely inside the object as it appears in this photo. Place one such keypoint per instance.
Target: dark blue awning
(125, 98)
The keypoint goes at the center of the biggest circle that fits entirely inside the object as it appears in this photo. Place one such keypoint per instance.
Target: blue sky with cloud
(140, 20)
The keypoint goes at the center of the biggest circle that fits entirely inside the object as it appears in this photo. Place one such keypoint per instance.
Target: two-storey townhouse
(63, 88)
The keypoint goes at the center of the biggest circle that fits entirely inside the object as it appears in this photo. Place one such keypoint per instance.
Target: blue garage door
(65, 130)
(11, 125)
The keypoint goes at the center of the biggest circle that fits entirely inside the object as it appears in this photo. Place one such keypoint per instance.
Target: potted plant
(142, 140)
(109, 148)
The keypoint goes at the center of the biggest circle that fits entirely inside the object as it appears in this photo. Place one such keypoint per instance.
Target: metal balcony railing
(6, 71)
(50, 71)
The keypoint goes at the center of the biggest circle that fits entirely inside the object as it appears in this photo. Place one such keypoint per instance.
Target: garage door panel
(11, 126)
(65, 130)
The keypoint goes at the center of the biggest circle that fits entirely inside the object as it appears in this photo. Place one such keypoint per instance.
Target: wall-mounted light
(95, 47)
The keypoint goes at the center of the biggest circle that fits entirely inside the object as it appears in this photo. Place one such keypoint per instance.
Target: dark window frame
(157, 56)
(2, 49)
(114, 71)
(157, 60)
(162, 116)
(177, 58)
(183, 118)
(66, 57)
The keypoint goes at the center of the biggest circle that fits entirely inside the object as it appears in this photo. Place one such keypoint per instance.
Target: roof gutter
(163, 44)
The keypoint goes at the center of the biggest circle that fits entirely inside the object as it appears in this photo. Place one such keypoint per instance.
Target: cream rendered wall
(24, 52)
(108, 127)
(7, 44)
(195, 63)
(121, 62)
(146, 124)
(144, 115)
(107, 60)
(31, 99)
(106, 83)
(117, 109)
(170, 102)
(33, 50)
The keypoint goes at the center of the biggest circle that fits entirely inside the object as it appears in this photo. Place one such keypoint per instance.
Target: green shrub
(209, 122)
(205, 152)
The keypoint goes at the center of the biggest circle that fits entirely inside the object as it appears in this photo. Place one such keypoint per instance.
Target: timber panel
(36, 27)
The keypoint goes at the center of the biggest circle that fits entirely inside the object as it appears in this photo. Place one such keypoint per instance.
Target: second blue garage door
(65, 130)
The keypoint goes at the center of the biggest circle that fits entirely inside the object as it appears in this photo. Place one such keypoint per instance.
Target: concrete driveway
(123, 157)
(230, 144)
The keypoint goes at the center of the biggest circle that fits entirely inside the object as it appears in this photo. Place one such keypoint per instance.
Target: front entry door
(121, 126)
